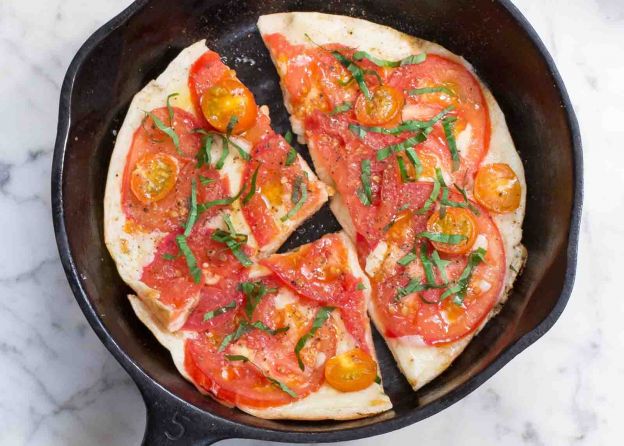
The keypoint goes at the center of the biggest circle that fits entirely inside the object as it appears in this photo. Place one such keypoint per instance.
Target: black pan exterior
(134, 47)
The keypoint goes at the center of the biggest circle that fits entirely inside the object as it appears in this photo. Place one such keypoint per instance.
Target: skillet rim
(224, 428)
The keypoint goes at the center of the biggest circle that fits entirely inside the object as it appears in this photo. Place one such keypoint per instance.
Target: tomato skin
(384, 106)
(351, 371)
(228, 99)
(497, 188)
(456, 221)
(153, 177)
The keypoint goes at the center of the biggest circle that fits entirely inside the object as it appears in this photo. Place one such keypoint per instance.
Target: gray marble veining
(59, 386)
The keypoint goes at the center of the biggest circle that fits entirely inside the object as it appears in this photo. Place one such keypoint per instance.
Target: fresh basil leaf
(254, 292)
(356, 72)
(191, 261)
(413, 286)
(167, 131)
(402, 170)
(283, 387)
(342, 108)
(203, 156)
(440, 265)
(225, 151)
(252, 188)
(435, 192)
(291, 157)
(427, 265)
(321, 316)
(192, 217)
(237, 358)
(459, 289)
(366, 197)
(465, 204)
(407, 258)
(440, 237)
(448, 124)
(378, 379)
(409, 60)
(360, 286)
(244, 328)
(168, 256)
(385, 152)
(205, 181)
(233, 241)
(413, 157)
(303, 191)
(219, 311)
(428, 90)
(358, 130)
(414, 59)
(219, 202)
(288, 137)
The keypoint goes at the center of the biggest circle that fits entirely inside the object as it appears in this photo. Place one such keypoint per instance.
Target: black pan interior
(483, 31)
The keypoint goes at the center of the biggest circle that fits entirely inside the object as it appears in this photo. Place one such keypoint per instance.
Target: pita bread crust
(420, 364)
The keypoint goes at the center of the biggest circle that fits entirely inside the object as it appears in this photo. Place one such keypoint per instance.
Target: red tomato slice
(445, 321)
(167, 213)
(274, 188)
(320, 271)
(465, 95)
(204, 73)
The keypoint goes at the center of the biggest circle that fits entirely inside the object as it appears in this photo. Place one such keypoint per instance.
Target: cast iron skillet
(134, 47)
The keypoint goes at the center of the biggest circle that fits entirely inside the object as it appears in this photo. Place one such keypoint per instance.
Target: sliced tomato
(226, 102)
(422, 313)
(275, 184)
(205, 72)
(168, 211)
(497, 188)
(320, 271)
(461, 90)
(351, 371)
(383, 107)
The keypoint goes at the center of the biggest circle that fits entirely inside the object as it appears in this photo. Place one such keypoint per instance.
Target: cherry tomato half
(497, 188)
(227, 99)
(384, 106)
(456, 221)
(351, 371)
(153, 177)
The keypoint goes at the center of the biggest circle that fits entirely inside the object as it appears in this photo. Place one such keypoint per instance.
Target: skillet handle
(173, 423)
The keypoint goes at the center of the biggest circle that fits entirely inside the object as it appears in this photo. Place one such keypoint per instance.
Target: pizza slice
(199, 185)
(290, 338)
(428, 182)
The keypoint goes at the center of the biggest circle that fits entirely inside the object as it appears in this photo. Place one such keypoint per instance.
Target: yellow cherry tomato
(229, 99)
(351, 371)
(384, 106)
(456, 221)
(153, 177)
(497, 188)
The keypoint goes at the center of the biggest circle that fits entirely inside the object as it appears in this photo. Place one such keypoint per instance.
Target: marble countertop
(58, 384)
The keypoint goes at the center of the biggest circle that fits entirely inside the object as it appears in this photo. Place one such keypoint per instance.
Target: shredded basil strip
(413, 157)
(288, 137)
(168, 256)
(409, 60)
(237, 358)
(205, 181)
(244, 328)
(252, 188)
(192, 217)
(407, 258)
(427, 90)
(203, 156)
(321, 316)
(360, 286)
(435, 192)
(358, 130)
(440, 265)
(413, 286)
(458, 290)
(225, 151)
(219, 202)
(465, 204)
(191, 261)
(170, 108)
(233, 241)
(254, 292)
(344, 107)
(356, 72)
(378, 379)
(365, 194)
(403, 171)
(427, 265)
(167, 131)
(291, 157)
(219, 311)
(440, 237)
(303, 196)
(283, 387)
(448, 124)
(384, 153)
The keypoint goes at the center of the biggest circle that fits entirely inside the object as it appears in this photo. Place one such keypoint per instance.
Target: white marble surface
(59, 386)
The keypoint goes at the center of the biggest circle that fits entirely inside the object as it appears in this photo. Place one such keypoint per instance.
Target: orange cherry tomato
(497, 188)
(384, 106)
(351, 371)
(456, 221)
(227, 99)
(153, 177)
